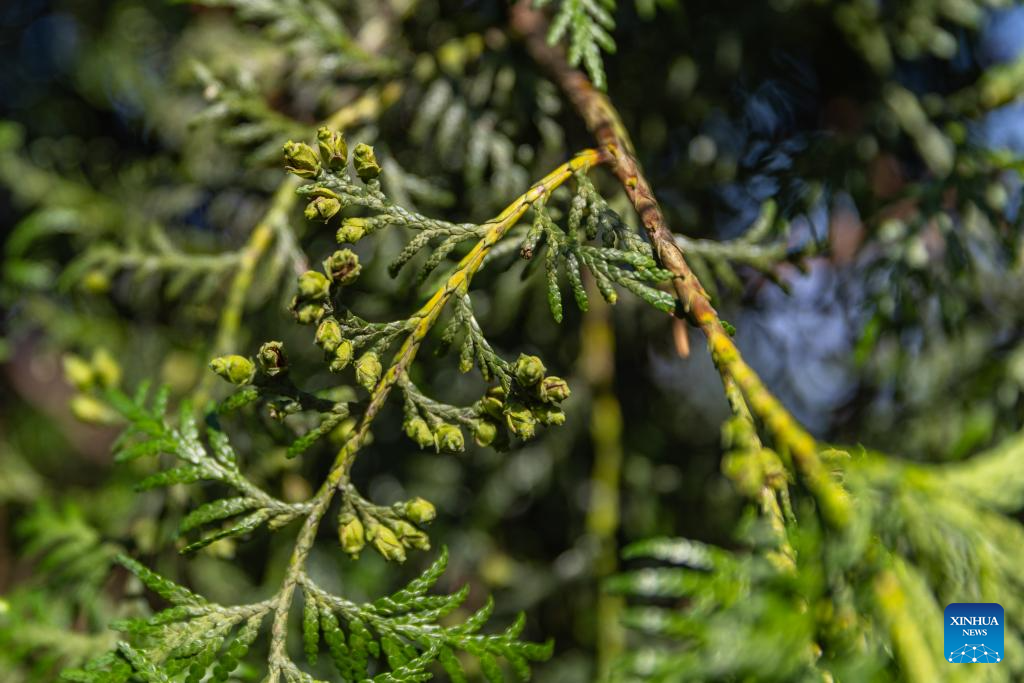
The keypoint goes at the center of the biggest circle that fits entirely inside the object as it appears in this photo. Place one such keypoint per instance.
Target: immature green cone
(493, 402)
(333, 149)
(271, 359)
(314, 286)
(419, 510)
(352, 230)
(410, 536)
(553, 390)
(322, 209)
(235, 369)
(342, 356)
(342, 266)
(328, 335)
(418, 430)
(418, 540)
(301, 160)
(520, 421)
(387, 544)
(351, 534)
(107, 370)
(484, 432)
(368, 369)
(549, 415)
(529, 370)
(365, 162)
(308, 313)
(78, 372)
(448, 439)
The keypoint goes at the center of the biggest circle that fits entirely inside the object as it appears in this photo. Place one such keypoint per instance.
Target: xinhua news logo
(974, 633)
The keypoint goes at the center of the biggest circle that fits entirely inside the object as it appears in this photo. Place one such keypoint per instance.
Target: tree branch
(457, 284)
(605, 124)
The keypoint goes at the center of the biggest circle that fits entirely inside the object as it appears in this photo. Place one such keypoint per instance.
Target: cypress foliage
(324, 191)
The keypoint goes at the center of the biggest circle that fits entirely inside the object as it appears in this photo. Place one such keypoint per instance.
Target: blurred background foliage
(141, 146)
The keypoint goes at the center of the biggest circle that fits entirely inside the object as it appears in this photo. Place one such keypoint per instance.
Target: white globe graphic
(974, 653)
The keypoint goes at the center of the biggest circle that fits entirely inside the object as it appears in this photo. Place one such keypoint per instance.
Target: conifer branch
(274, 223)
(606, 125)
(423, 320)
(174, 634)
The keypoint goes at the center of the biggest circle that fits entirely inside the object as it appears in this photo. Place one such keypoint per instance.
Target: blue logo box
(974, 633)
